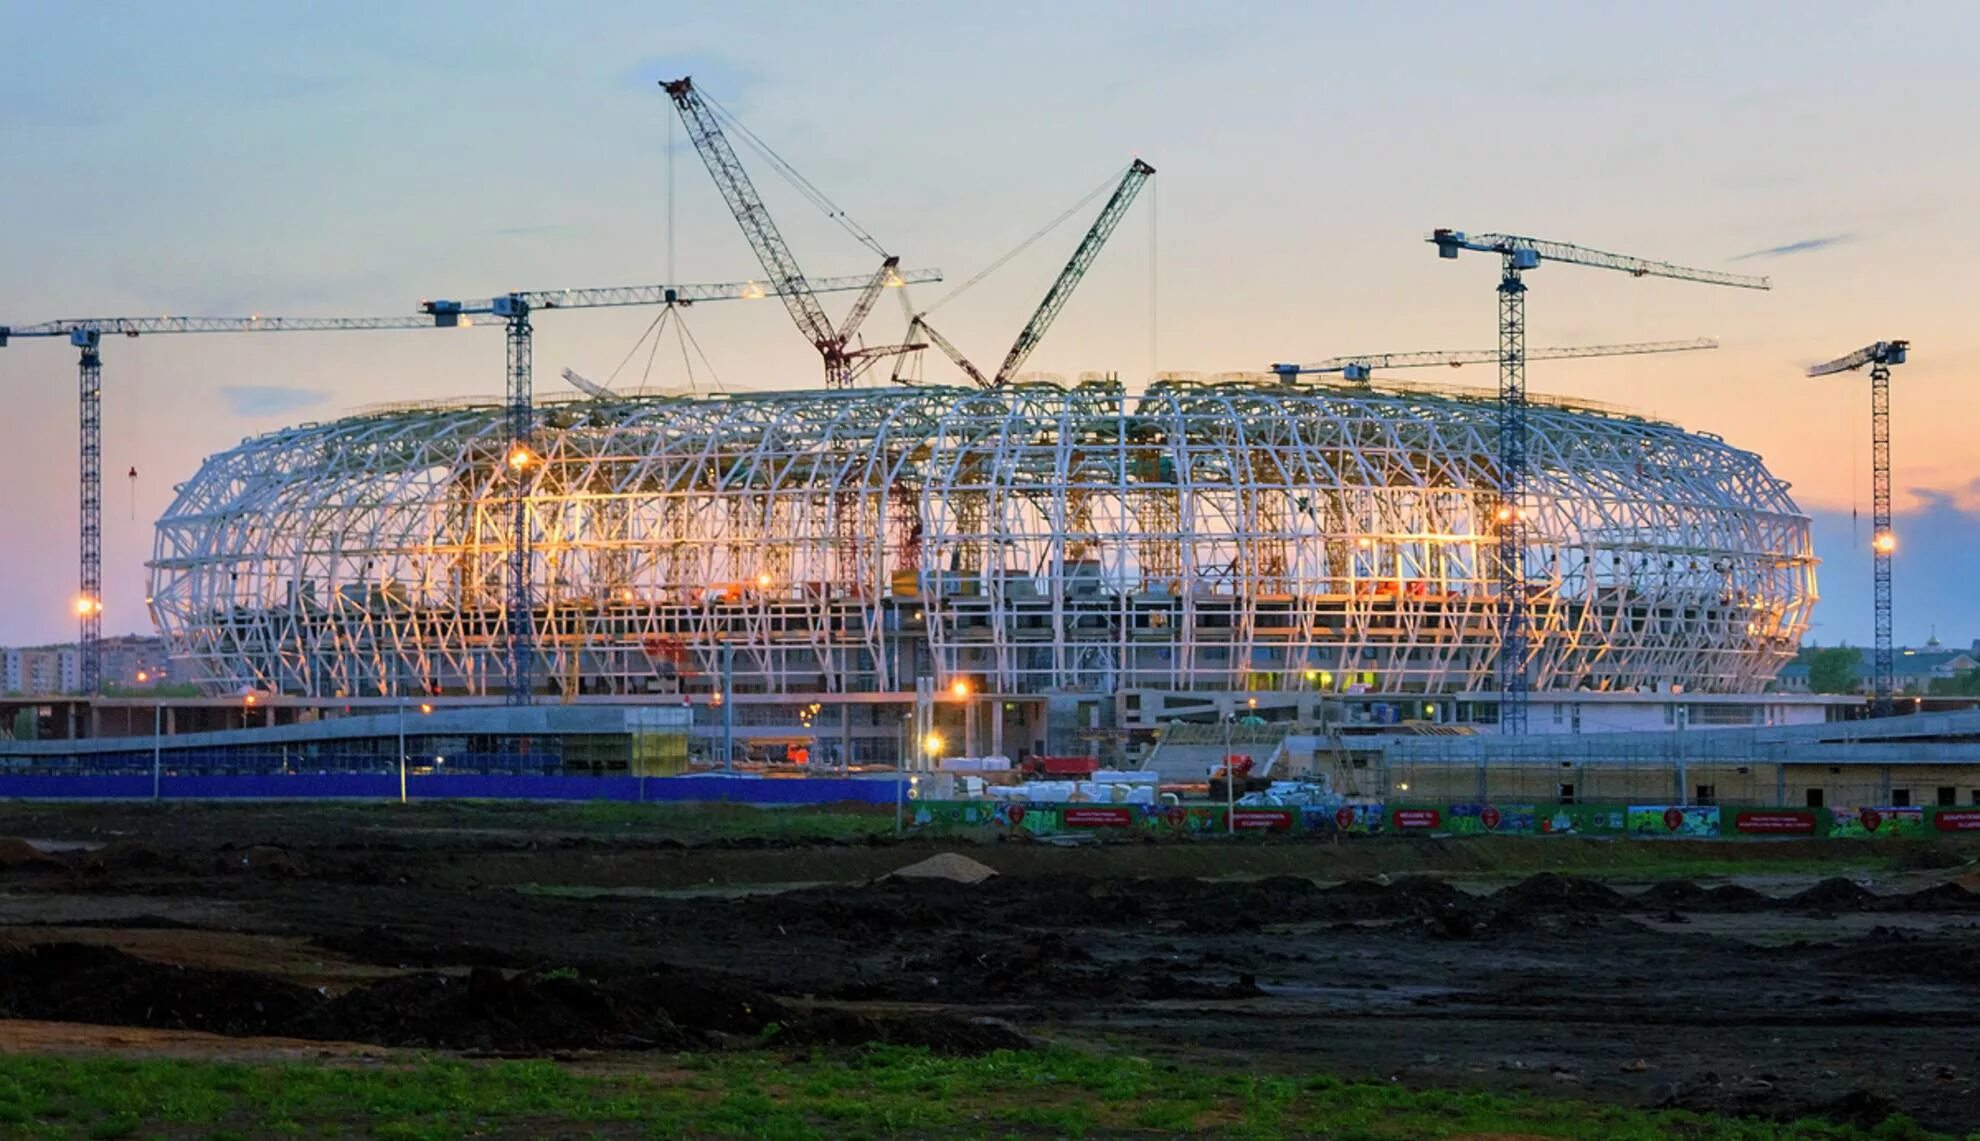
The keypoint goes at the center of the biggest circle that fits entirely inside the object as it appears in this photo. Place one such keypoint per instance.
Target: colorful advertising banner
(1491, 819)
(1654, 821)
(1674, 820)
(1347, 819)
(1880, 822)
(1580, 820)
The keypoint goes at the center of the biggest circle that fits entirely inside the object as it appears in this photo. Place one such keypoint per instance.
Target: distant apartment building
(1914, 669)
(128, 662)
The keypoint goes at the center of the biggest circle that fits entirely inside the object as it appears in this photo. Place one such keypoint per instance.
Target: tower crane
(842, 364)
(1516, 256)
(514, 309)
(1359, 368)
(86, 335)
(1883, 542)
(1138, 173)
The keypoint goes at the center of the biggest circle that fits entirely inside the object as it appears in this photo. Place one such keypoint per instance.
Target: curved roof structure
(1037, 538)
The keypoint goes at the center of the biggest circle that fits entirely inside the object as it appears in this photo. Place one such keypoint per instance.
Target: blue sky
(355, 158)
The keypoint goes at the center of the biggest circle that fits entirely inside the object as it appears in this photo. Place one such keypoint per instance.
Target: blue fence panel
(79, 787)
(384, 785)
(279, 787)
(501, 786)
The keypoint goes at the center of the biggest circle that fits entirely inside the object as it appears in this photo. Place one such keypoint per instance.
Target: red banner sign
(1957, 821)
(1082, 816)
(1416, 818)
(1774, 822)
(1262, 820)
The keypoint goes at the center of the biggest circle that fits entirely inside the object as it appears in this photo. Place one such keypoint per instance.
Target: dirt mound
(1938, 897)
(18, 853)
(1411, 896)
(1548, 891)
(1738, 897)
(1671, 895)
(262, 859)
(486, 1010)
(1683, 895)
(1834, 894)
(128, 856)
(492, 1012)
(949, 866)
(73, 982)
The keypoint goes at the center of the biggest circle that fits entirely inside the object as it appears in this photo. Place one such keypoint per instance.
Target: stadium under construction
(1084, 563)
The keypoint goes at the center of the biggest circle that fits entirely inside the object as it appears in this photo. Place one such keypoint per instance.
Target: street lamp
(157, 745)
(1230, 780)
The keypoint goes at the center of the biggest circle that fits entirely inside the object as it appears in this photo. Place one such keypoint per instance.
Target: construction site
(871, 577)
(1297, 724)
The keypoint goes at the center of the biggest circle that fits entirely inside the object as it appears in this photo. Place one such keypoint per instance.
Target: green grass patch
(691, 823)
(881, 1093)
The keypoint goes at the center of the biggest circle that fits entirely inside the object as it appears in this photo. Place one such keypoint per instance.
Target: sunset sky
(353, 159)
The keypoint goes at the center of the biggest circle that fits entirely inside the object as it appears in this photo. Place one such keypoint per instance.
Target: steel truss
(1038, 538)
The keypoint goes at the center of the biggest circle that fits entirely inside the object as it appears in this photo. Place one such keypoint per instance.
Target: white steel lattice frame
(1038, 538)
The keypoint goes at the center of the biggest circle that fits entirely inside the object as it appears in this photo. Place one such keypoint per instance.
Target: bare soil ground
(1846, 988)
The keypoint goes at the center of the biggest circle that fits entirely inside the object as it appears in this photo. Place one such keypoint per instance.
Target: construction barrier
(464, 786)
(1636, 821)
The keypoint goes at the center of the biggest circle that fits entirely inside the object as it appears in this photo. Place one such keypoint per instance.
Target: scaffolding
(1041, 538)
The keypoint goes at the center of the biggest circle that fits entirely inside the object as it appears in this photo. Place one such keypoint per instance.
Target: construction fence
(1427, 818)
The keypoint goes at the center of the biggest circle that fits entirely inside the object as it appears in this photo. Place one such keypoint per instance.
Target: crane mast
(1056, 297)
(1517, 255)
(1883, 541)
(86, 335)
(1137, 175)
(842, 365)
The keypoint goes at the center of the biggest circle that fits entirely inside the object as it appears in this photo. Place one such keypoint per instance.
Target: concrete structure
(1929, 758)
(278, 736)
